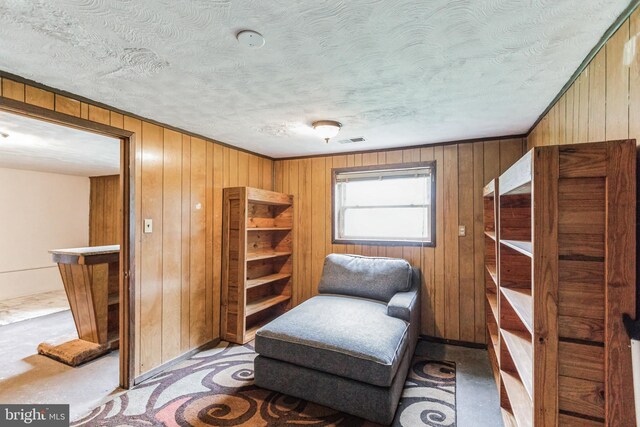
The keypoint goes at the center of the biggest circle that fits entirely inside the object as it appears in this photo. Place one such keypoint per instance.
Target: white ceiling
(45, 147)
(394, 71)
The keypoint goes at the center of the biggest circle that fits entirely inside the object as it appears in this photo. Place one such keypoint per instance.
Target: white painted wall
(38, 212)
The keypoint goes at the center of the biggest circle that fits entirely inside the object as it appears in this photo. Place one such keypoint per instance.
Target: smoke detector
(250, 39)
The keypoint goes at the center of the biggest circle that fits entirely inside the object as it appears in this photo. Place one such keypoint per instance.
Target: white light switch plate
(148, 225)
(462, 231)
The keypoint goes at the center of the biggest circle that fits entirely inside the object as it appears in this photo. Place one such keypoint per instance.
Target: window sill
(384, 242)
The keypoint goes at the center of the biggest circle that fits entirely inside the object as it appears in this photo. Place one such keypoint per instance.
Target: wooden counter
(91, 281)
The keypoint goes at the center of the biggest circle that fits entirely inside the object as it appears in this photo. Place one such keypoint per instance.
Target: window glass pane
(389, 223)
(398, 191)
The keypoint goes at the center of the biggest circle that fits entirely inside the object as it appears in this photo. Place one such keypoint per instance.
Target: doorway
(67, 181)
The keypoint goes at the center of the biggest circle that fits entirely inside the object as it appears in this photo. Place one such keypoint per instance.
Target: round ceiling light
(327, 129)
(250, 39)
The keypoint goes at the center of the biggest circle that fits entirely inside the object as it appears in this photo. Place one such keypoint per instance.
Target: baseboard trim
(166, 365)
(453, 342)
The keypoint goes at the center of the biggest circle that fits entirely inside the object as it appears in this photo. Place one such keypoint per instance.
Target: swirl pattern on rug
(215, 388)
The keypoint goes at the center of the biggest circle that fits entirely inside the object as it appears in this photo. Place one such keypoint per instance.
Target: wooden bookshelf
(256, 260)
(565, 233)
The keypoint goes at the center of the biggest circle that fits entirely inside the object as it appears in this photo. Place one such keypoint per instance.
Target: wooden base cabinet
(256, 260)
(565, 275)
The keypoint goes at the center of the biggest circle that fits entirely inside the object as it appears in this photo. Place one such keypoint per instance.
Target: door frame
(128, 229)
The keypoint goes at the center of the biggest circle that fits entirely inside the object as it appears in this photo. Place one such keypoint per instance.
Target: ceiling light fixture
(4, 134)
(327, 129)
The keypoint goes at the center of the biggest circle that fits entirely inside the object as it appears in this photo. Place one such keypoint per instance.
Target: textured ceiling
(396, 72)
(45, 147)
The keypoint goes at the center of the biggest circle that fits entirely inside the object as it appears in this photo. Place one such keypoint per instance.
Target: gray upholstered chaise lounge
(350, 347)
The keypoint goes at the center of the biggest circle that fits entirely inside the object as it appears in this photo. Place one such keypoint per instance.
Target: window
(391, 204)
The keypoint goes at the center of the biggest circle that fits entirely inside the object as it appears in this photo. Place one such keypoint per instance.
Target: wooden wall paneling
(185, 322)
(70, 106)
(634, 76)
(171, 245)
(218, 172)
(466, 260)
(318, 205)
(255, 172)
(561, 127)
(197, 276)
(510, 151)
(597, 86)
(209, 263)
(441, 245)
(13, 90)
(151, 248)
(267, 174)
(40, 97)
(491, 161)
(450, 225)
(292, 171)
(617, 117)
(333, 162)
(569, 128)
(243, 168)
(478, 243)
(428, 295)
(305, 223)
(583, 118)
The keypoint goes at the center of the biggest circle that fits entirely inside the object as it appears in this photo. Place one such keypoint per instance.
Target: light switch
(462, 230)
(148, 226)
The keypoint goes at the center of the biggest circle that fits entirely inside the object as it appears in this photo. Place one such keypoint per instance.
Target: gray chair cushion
(349, 337)
(366, 277)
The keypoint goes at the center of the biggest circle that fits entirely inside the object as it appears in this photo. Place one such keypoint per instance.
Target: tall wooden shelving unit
(256, 260)
(566, 273)
(491, 238)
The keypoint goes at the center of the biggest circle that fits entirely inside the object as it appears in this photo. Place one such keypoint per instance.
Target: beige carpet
(31, 306)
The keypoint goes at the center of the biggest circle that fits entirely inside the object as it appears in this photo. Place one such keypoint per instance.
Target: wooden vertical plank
(209, 262)
(304, 228)
(116, 119)
(218, 166)
(465, 243)
(451, 272)
(197, 285)
(634, 76)
(291, 168)
(151, 248)
(318, 204)
(544, 281)
(255, 171)
(186, 245)
(621, 281)
(491, 161)
(569, 120)
(267, 174)
(617, 119)
(510, 152)
(478, 242)
(243, 169)
(583, 106)
(561, 137)
(441, 246)
(171, 244)
(597, 85)
(428, 291)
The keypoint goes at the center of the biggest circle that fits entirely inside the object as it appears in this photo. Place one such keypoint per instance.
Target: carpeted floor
(215, 388)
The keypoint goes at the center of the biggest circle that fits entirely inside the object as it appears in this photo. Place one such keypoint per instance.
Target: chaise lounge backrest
(366, 277)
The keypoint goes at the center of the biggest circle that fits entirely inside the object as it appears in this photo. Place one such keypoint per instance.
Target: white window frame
(338, 209)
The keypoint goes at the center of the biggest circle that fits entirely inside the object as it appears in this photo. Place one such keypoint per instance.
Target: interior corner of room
(347, 214)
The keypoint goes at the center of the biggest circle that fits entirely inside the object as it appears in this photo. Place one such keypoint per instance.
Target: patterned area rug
(215, 388)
